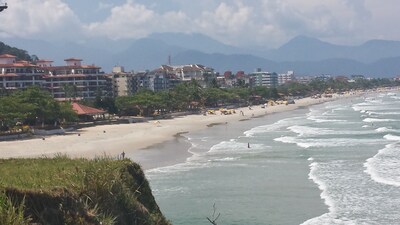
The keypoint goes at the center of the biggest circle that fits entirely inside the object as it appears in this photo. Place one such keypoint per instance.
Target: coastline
(111, 140)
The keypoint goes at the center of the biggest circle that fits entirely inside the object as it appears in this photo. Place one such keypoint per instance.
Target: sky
(267, 23)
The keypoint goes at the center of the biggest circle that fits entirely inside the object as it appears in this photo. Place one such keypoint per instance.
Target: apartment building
(285, 77)
(266, 79)
(74, 80)
(121, 85)
(18, 74)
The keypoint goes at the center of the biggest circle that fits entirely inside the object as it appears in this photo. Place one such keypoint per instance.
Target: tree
(32, 107)
(19, 53)
(12, 111)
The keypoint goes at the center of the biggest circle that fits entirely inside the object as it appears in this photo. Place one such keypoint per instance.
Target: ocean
(332, 163)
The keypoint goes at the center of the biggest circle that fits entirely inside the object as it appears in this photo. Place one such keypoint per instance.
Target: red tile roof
(72, 67)
(43, 60)
(7, 56)
(17, 64)
(72, 59)
(86, 110)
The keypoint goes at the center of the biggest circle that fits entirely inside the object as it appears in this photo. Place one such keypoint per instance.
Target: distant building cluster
(74, 80)
(167, 77)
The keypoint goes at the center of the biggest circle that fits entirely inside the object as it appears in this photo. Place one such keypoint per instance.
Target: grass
(61, 190)
(10, 213)
(50, 173)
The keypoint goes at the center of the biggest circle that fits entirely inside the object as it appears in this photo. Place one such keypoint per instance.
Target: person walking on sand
(123, 155)
(248, 144)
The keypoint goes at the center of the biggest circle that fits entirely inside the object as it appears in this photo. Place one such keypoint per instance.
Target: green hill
(19, 53)
(76, 191)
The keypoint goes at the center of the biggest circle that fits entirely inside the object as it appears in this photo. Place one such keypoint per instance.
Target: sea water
(333, 163)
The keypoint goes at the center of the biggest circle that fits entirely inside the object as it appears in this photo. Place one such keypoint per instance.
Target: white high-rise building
(285, 77)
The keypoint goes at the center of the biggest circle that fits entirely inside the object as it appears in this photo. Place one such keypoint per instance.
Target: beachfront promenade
(111, 140)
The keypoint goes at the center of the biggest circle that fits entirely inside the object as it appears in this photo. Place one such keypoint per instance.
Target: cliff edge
(61, 190)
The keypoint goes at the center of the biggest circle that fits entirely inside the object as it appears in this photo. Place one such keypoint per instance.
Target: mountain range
(304, 55)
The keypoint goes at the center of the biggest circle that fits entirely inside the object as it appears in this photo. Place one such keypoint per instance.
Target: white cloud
(38, 18)
(385, 16)
(226, 18)
(238, 22)
(132, 20)
(104, 5)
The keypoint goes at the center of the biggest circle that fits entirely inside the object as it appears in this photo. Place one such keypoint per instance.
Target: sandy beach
(111, 140)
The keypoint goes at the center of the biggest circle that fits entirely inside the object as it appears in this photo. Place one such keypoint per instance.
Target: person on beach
(123, 155)
(248, 144)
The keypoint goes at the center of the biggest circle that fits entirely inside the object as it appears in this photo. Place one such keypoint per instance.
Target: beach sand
(112, 140)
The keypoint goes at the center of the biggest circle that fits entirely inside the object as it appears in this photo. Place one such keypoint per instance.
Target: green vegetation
(11, 214)
(19, 53)
(33, 107)
(76, 191)
(191, 96)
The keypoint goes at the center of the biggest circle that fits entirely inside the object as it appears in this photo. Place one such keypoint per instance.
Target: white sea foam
(395, 97)
(327, 142)
(334, 216)
(286, 139)
(392, 137)
(322, 119)
(196, 160)
(272, 127)
(377, 120)
(329, 218)
(178, 189)
(178, 168)
(235, 147)
(373, 106)
(385, 130)
(323, 116)
(314, 166)
(306, 130)
(384, 166)
(384, 113)
(227, 159)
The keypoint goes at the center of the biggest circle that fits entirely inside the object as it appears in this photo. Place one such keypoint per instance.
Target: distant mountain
(197, 42)
(146, 53)
(385, 67)
(223, 62)
(302, 48)
(388, 67)
(304, 55)
(375, 50)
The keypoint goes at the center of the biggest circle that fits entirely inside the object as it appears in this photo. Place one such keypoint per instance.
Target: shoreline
(111, 140)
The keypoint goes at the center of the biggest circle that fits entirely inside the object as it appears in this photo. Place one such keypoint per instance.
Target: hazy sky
(237, 22)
